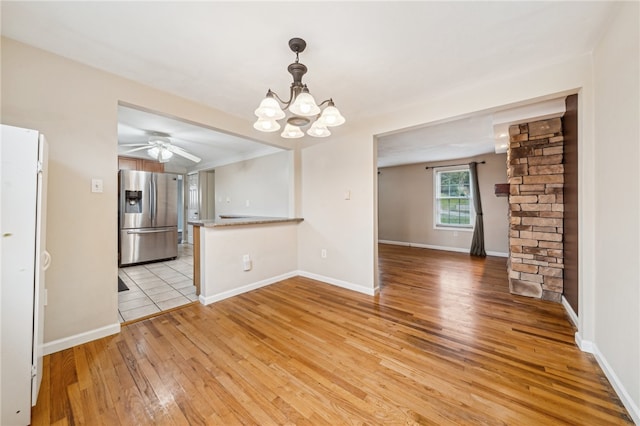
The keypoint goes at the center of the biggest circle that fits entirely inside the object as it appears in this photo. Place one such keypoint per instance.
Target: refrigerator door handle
(152, 199)
(155, 198)
(150, 231)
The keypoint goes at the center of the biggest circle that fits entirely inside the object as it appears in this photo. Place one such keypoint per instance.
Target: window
(453, 199)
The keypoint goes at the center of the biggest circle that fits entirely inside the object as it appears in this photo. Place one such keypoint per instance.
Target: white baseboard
(371, 291)
(395, 243)
(253, 286)
(249, 287)
(444, 248)
(584, 345)
(618, 387)
(79, 339)
(572, 314)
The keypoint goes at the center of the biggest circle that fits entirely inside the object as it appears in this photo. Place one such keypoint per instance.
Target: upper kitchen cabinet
(129, 163)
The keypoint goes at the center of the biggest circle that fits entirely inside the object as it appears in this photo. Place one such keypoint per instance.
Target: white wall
(405, 206)
(76, 107)
(263, 182)
(617, 114)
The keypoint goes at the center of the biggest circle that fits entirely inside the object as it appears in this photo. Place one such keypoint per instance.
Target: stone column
(536, 178)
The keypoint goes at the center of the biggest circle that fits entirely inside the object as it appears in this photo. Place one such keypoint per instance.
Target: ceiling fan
(160, 148)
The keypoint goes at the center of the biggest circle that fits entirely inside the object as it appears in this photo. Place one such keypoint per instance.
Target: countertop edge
(244, 221)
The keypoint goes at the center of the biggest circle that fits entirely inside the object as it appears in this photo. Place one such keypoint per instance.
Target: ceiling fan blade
(135, 144)
(137, 149)
(183, 153)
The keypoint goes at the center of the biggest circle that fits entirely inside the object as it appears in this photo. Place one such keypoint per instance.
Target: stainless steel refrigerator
(148, 216)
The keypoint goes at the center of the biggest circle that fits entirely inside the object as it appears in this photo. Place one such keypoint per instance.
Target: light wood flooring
(443, 343)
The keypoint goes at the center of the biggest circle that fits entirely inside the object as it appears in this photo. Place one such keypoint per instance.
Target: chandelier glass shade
(301, 104)
(292, 132)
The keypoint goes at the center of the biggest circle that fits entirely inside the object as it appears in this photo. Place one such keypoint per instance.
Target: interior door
(181, 209)
(193, 203)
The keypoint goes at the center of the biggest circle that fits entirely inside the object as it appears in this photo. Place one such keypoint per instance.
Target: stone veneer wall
(536, 178)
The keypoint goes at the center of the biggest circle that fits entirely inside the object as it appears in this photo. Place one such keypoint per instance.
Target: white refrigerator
(23, 188)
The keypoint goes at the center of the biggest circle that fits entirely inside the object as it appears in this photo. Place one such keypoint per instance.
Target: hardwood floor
(443, 343)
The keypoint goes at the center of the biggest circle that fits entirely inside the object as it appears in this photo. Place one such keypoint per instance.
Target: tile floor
(155, 287)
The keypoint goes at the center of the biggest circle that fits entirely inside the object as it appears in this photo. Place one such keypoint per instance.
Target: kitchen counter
(237, 220)
(226, 222)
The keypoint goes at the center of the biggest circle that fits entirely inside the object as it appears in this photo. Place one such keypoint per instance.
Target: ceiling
(465, 137)
(372, 58)
(213, 147)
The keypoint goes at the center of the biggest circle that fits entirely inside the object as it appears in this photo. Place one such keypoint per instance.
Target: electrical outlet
(323, 253)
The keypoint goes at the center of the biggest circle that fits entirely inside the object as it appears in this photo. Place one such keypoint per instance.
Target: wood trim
(501, 189)
(570, 222)
(196, 258)
(131, 163)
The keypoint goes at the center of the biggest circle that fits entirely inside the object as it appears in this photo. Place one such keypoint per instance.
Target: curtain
(477, 243)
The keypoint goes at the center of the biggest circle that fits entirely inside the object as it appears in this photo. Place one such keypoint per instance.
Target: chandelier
(301, 105)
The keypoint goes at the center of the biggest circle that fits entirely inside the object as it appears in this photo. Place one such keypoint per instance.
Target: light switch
(246, 262)
(96, 185)
(347, 195)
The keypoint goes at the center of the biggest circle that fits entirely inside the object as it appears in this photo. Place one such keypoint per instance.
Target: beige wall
(76, 106)
(345, 228)
(272, 249)
(617, 191)
(405, 206)
(262, 181)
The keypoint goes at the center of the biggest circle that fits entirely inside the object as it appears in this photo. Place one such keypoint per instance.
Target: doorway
(418, 231)
(147, 288)
(191, 150)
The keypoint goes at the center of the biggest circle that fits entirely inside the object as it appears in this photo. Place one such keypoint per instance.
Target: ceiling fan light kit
(160, 153)
(301, 104)
(161, 149)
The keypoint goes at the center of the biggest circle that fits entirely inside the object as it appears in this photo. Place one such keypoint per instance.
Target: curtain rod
(453, 165)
